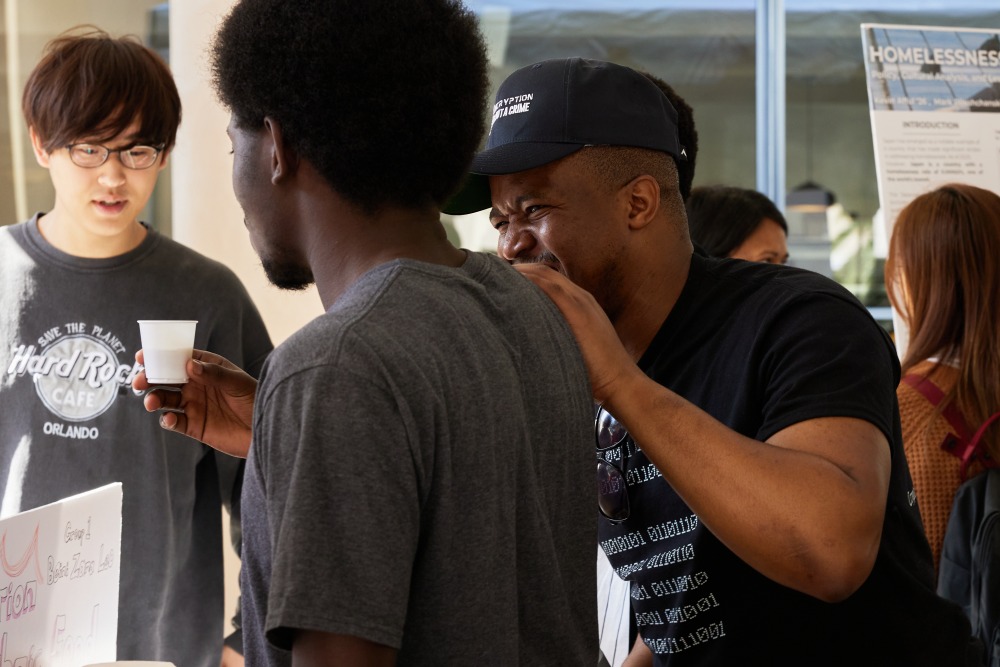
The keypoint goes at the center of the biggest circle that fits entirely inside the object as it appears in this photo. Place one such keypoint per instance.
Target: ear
(41, 155)
(163, 159)
(642, 200)
(283, 159)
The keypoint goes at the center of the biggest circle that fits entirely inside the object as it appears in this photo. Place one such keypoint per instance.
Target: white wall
(206, 216)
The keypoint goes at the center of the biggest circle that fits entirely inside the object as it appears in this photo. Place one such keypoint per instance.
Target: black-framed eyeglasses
(90, 156)
(612, 490)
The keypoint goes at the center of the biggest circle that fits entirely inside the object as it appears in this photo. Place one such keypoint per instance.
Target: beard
(287, 275)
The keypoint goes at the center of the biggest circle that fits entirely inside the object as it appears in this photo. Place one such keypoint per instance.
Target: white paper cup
(166, 347)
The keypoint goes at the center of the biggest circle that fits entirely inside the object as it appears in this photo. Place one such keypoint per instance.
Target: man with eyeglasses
(752, 486)
(103, 113)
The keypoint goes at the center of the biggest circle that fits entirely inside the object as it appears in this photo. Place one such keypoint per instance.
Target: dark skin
(296, 219)
(300, 227)
(784, 525)
(811, 545)
(215, 406)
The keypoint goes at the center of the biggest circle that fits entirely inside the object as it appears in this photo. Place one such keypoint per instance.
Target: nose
(112, 173)
(516, 242)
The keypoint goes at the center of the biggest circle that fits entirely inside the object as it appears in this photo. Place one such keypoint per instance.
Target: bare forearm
(639, 656)
(321, 649)
(230, 658)
(804, 509)
(791, 511)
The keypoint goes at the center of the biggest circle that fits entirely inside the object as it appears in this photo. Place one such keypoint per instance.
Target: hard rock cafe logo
(77, 377)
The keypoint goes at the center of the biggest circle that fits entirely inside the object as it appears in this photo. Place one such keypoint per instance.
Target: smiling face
(767, 243)
(272, 232)
(561, 215)
(97, 207)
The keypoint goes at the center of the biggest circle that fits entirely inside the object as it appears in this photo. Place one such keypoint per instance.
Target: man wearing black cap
(752, 483)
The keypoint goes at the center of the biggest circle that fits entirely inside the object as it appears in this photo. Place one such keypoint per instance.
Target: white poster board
(926, 88)
(59, 575)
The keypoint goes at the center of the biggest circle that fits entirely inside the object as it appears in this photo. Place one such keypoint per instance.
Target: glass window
(704, 50)
(829, 138)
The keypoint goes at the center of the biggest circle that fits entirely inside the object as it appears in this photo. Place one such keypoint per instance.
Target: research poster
(59, 581)
(934, 99)
(934, 102)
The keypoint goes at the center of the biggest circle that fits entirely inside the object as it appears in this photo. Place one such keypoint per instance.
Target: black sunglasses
(612, 491)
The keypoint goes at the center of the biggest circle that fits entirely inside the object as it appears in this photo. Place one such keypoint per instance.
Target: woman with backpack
(942, 275)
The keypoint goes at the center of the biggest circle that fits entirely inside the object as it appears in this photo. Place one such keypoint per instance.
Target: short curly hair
(386, 98)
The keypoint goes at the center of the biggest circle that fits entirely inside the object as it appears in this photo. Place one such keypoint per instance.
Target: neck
(351, 243)
(650, 298)
(74, 239)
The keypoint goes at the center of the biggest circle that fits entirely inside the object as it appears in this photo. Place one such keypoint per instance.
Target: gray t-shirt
(70, 422)
(422, 475)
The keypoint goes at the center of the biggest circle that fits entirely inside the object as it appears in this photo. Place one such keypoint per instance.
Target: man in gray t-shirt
(418, 475)
(420, 484)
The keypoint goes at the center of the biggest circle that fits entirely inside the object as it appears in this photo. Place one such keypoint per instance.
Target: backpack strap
(974, 448)
(963, 443)
(933, 393)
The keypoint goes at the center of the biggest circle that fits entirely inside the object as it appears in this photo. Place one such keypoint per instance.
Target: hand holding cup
(215, 405)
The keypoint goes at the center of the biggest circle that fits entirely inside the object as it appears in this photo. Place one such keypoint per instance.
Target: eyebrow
(494, 213)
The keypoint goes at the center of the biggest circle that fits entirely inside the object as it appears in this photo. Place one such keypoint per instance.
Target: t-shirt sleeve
(824, 356)
(343, 506)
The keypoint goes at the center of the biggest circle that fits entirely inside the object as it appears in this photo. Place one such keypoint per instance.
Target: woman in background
(943, 277)
(736, 222)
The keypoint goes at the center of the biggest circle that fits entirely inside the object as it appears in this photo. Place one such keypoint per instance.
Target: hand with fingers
(608, 362)
(214, 407)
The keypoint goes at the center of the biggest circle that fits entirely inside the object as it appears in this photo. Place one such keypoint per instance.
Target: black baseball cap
(546, 111)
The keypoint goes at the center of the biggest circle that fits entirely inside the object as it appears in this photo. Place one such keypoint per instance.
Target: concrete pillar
(205, 214)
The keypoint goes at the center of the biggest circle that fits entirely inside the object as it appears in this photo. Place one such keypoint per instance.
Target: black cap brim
(474, 195)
